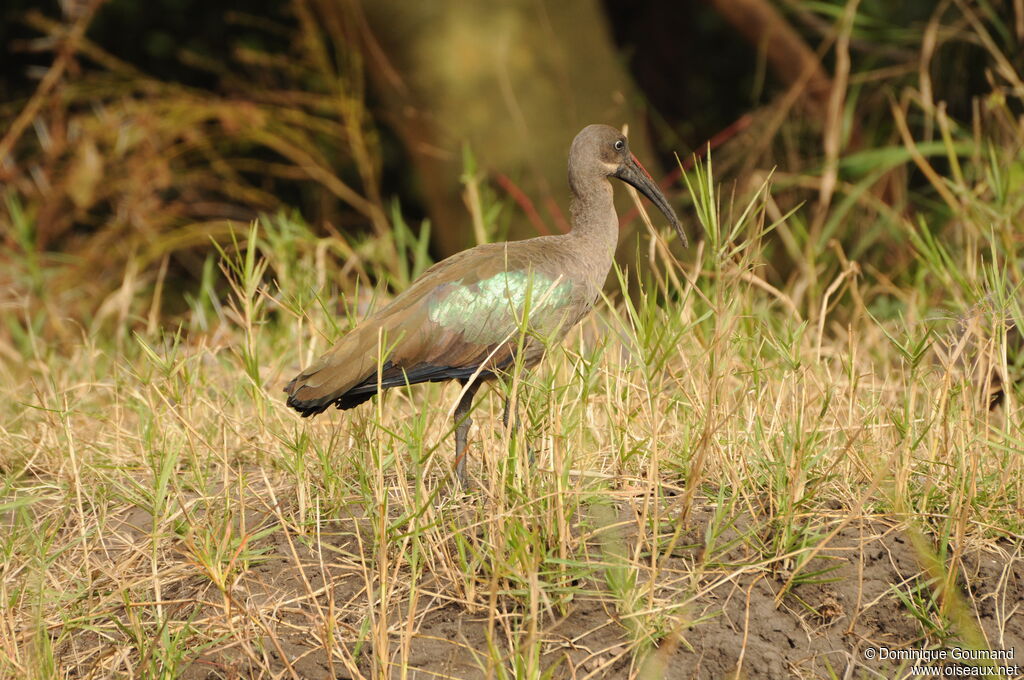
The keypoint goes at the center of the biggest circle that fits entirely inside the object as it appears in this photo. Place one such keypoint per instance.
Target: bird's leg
(462, 423)
(512, 405)
(504, 415)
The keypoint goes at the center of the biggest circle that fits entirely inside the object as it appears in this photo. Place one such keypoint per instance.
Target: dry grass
(712, 472)
(119, 170)
(738, 472)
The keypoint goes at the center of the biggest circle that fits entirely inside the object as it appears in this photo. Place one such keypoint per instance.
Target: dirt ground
(736, 627)
(739, 629)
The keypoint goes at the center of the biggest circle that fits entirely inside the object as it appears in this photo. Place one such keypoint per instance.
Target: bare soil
(739, 628)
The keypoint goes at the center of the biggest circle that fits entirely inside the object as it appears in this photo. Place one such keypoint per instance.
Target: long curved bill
(635, 175)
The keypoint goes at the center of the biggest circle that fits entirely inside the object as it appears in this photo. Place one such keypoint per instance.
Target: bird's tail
(344, 376)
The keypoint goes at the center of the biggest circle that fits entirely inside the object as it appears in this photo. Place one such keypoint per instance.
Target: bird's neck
(595, 226)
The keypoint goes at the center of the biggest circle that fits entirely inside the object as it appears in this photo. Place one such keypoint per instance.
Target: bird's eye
(620, 145)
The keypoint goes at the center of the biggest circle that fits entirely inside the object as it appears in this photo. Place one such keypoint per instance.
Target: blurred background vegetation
(135, 136)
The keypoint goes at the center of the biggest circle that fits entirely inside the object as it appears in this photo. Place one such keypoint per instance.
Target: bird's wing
(464, 312)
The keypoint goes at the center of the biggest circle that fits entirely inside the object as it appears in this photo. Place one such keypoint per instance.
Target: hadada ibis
(461, 320)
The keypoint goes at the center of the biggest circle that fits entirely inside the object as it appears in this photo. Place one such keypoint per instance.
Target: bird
(463, 318)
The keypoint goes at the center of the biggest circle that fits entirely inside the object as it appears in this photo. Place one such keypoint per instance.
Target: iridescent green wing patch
(489, 310)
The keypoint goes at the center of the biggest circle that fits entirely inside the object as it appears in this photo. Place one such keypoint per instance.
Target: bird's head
(603, 150)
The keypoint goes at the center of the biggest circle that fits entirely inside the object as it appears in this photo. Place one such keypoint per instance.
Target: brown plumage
(461, 320)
